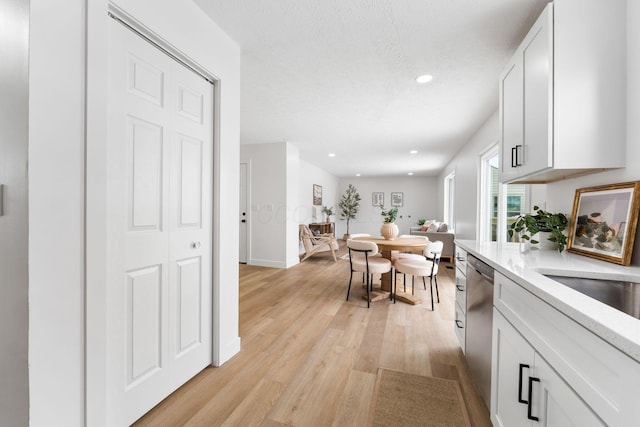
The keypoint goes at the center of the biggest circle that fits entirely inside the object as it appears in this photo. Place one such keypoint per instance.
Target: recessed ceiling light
(425, 78)
(410, 173)
(357, 174)
(332, 154)
(413, 152)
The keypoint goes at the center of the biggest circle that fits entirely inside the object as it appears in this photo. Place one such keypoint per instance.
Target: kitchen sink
(621, 295)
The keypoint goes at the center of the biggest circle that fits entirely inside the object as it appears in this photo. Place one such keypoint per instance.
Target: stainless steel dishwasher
(479, 325)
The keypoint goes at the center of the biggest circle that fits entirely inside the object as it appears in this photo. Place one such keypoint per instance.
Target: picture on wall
(397, 199)
(377, 199)
(317, 195)
(603, 223)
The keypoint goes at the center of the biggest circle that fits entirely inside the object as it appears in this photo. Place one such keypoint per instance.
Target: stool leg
(431, 287)
(349, 288)
(394, 286)
(368, 293)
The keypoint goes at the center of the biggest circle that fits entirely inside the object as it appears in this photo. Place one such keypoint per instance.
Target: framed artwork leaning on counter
(603, 222)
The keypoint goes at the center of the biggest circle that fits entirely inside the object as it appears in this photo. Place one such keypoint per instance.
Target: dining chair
(425, 267)
(355, 236)
(396, 255)
(362, 259)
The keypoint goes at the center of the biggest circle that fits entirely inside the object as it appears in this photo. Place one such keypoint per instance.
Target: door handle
(460, 288)
(195, 245)
(1, 199)
(518, 161)
(459, 324)
(530, 404)
(520, 399)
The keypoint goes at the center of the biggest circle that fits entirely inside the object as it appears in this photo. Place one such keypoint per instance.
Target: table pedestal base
(408, 298)
(378, 294)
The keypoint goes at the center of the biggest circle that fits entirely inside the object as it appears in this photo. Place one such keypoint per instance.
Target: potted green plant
(328, 211)
(543, 223)
(389, 216)
(421, 221)
(349, 205)
(389, 229)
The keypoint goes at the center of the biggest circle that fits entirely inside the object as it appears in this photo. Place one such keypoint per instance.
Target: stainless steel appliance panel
(479, 325)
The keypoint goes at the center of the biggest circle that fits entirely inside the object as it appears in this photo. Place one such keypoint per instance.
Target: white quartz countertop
(527, 268)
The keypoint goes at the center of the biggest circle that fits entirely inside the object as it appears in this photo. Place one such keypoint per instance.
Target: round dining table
(401, 244)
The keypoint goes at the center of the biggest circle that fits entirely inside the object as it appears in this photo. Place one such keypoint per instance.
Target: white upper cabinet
(562, 94)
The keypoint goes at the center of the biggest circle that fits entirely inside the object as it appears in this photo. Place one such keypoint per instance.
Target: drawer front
(461, 290)
(602, 375)
(459, 325)
(461, 260)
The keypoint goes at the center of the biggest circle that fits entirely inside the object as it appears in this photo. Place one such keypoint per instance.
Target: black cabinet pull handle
(530, 404)
(518, 161)
(520, 399)
(459, 324)
(514, 155)
(460, 288)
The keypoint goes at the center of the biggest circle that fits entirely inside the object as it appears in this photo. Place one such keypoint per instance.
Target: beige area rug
(401, 399)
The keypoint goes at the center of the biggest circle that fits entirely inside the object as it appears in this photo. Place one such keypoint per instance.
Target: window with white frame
(499, 204)
(449, 200)
(489, 197)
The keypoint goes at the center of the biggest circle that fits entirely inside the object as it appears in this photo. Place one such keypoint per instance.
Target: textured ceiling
(339, 76)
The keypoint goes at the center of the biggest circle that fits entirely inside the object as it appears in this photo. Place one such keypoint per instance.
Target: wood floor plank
(309, 357)
(353, 410)
(257, 404)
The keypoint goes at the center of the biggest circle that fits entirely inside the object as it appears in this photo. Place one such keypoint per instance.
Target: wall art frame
(317, 195)
(377, 198)
(397, 199)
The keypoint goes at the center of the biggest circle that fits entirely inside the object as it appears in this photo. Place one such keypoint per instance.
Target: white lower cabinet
(547, 366)
(526, 391)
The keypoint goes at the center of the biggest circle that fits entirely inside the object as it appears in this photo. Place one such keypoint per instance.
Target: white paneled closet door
(159, 269)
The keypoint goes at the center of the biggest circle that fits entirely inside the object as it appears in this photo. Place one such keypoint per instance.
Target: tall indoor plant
(349, 205)
(543, 222)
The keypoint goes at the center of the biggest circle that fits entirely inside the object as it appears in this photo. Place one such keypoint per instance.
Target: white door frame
(96, 200)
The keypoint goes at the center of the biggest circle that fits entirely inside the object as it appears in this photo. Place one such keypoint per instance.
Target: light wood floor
(309, 358)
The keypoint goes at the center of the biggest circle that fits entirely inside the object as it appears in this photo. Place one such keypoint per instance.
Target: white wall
(308, 175)
(465, 164)
(293, 199)
(56, 213)
(57, 287)
(419, 201)
(281, 198)
(268, 210)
